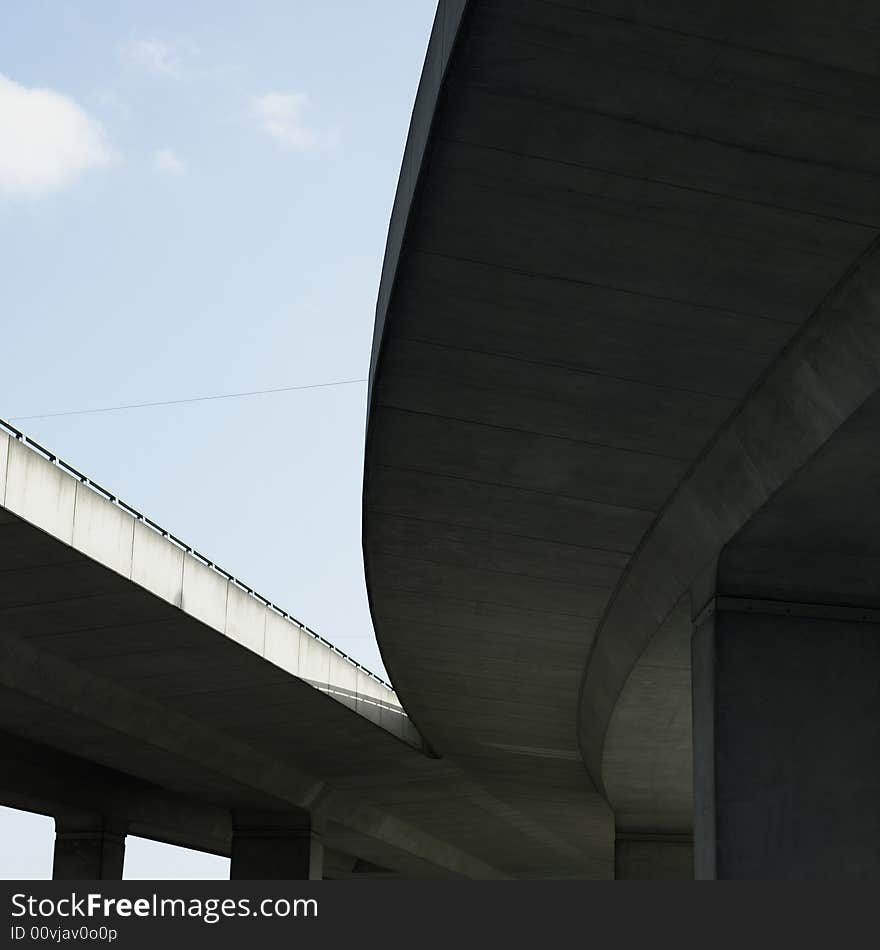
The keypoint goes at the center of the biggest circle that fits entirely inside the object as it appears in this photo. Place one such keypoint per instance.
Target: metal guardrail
(134, 513)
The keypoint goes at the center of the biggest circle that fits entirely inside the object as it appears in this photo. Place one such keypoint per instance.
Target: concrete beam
(40, 779)
(193, 756)
(45, 495)
(829, 370)
(444, 32)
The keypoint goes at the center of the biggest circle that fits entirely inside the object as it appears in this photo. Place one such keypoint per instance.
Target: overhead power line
(178, 402)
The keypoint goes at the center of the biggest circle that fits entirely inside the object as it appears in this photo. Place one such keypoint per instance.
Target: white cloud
(48, 141)
(156, 57)
(281, 115)
(168, 162)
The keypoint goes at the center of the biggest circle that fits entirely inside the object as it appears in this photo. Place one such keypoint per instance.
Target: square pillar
(653, 856)
(88, 851)
(786, 741)
(275, 846)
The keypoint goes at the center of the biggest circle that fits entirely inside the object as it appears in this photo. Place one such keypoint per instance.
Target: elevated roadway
(144, 690)
(619, 516)
(630, 292)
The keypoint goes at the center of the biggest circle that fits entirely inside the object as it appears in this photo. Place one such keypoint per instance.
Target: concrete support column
(649, 856)
(88, 851)
(786, 741)
(275, 846)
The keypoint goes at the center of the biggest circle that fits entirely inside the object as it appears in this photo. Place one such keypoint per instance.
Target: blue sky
(194, 200)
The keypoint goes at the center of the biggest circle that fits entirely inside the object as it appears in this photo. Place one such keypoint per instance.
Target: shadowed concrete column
(275, 846)
(786, 740)
(88, 851)
(646, 856)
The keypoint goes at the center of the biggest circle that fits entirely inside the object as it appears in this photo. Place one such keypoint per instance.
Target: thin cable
(177, 402)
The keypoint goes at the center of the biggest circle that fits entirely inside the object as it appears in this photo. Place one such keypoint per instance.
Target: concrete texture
(48, 498)
(87, 851)
(138, 684)
(145, 691)
(275, 846)
(786, 694)
(787, 721)
(653, 857)
(625, 367)
(630, 292)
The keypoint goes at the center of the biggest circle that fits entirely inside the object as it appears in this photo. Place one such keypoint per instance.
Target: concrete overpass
(144, 690)
(619, 528)
(624, 390)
